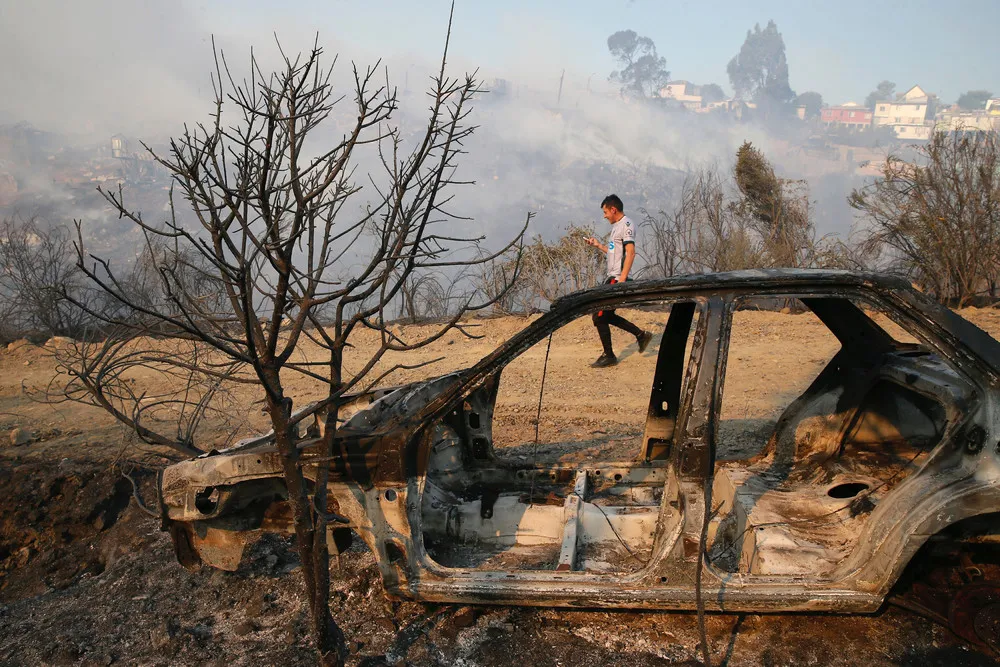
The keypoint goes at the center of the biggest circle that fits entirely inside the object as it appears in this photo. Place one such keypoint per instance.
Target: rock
(786, 311)
(160, 636)
(464, 617)
(59, 342)
(23, 555)
(18, 344)
(244, 628)
(27, 362)
(19, 437)
(256, 606)
(384, 624)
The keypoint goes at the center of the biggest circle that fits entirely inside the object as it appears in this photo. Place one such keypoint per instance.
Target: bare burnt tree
(427, 296)
(37, 265)
(544, 272)
(498, 281)
(703, 233)
(293, 268)
(162, 383)
(167, 391)
(937, 219)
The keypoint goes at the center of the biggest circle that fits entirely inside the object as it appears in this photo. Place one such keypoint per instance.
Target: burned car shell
(416, 449)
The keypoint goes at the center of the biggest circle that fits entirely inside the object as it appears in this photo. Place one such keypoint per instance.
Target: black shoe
(644, 339)
(604, 361)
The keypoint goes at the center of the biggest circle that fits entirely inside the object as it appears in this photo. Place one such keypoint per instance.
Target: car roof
(748, 278)
(961, 330)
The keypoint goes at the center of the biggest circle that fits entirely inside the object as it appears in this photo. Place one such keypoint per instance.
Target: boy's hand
(591, 241)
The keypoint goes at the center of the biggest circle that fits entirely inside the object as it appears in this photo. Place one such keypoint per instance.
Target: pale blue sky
(141, 66)
(839, 49)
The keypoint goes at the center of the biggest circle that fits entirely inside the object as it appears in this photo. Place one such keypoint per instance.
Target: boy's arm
(629, 258)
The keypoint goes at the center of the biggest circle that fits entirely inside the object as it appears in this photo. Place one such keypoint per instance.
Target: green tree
(812, 101)
(974, 100)
(759, 72)
(712, 92)
(643, 73)
(777, 209)
(883, 91)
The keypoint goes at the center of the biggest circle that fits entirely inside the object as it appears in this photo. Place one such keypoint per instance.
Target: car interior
(800, 469)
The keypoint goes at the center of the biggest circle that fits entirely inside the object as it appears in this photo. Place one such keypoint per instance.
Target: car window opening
(803, 466)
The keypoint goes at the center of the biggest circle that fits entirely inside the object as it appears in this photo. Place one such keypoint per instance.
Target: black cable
(538, 421)
(138, 498)
(644, 563)
(702, 544)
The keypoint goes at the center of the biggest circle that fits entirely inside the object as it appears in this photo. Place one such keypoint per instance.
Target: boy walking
(621, 255)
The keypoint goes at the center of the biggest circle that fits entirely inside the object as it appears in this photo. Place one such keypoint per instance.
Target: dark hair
(613, 200)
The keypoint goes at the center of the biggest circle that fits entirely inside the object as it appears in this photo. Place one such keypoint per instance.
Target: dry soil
(87, 578)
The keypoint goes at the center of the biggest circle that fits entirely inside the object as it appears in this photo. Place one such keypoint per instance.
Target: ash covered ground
(88, 578)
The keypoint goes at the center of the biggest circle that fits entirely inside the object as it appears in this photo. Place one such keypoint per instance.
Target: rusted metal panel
(415, 475)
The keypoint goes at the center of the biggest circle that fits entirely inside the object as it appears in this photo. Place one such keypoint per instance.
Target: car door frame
(425, 576)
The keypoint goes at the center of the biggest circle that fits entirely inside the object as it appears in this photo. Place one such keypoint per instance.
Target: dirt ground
(87, 578)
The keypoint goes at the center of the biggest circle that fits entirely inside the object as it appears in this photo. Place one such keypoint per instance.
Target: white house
(684, 92)
(910, 115)
(956, 120)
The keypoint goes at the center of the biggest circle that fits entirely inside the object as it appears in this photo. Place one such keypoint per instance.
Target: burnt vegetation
(278, 260)
(288, 246)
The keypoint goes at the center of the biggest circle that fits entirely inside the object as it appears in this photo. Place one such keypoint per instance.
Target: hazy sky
(131, 65)
(839, 49)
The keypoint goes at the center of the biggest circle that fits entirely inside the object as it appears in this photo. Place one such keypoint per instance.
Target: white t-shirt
(622, 232)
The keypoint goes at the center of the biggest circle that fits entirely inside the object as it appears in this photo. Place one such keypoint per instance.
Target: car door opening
(587, 497)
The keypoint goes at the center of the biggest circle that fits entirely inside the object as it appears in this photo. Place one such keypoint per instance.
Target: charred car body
(892, 444)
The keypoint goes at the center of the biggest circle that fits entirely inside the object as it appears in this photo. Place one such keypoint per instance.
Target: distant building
(958, 120)
(735, 108)
(119, 146)
(685, 93)
(993, 106)
(851, 115)
(910, 115)
(500, 87)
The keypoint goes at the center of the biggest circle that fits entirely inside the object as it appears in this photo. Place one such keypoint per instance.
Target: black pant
(603, 320)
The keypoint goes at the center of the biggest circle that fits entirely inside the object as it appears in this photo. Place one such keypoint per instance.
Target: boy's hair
(613, 200)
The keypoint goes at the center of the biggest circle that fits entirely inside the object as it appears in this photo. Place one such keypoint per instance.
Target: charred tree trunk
(310, 535)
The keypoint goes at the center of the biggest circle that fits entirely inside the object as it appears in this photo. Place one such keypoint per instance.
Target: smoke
(92, 69)
(87, 71)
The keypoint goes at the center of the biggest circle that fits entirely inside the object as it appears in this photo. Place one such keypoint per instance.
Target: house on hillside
(910, 115)
(851, 115)
(734, 108)
(684, 93)
(993, 106)
(955, 119)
